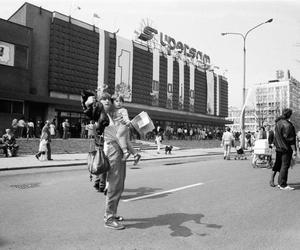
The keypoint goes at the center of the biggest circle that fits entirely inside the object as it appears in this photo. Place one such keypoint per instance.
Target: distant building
(270, 98)
(234, 115)
(273, 96)
(48, 58)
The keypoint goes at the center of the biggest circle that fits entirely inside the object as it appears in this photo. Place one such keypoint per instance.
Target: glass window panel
(5, 106)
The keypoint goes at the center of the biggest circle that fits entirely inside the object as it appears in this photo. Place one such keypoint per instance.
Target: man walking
(46, 136)
(227, 142)
(285, 143)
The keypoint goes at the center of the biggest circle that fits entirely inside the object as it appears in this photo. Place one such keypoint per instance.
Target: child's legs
(130, 147)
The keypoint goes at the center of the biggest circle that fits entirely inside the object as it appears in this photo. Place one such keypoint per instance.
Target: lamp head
(270, 20)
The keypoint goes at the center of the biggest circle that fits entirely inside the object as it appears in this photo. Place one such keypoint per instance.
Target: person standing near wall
(66, 129)
(52, 130)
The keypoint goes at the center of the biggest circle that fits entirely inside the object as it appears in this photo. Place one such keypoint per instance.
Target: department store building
(47, 59)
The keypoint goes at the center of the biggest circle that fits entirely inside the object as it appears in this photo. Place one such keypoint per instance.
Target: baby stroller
(240, 154)
(262, 155)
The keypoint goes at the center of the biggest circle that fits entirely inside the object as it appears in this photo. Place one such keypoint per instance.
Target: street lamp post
(244, 36)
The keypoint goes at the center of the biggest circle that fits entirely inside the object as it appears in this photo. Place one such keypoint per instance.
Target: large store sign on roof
(149, 34)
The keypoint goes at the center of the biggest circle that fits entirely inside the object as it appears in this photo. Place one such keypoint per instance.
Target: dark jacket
(95, 112)
(271, 137)
(285, 135)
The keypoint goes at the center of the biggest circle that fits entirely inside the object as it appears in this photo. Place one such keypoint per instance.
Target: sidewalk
(62, 160)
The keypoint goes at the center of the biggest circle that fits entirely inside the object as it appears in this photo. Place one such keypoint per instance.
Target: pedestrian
(14, 127)
(270, 135)
(121, 113)
(261, 133)
(115, 177)
(82, 132)
(10, 146)
(66, 129)
(52, 129)
(21, 127)
(227, 143)
(46, 136)
(158, 139)
(91, 129)
(38, 129)
(285, 143)
(30, 126)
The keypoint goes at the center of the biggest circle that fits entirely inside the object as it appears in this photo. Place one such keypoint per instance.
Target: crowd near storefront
(47, 59)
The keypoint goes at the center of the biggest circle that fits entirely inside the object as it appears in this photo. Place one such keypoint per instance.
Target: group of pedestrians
(285, 141)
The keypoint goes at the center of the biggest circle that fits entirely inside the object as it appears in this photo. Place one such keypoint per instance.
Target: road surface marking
(164, 192)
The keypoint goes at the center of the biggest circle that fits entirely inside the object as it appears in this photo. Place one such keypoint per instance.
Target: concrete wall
(12, 78)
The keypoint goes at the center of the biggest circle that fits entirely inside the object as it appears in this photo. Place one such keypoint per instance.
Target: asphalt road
(188, 203)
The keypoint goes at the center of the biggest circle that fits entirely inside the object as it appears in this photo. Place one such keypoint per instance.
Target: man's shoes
(272, 184)
(137, 158)
(50, 159)
(119, 218)
(288, 188)
(36, 156)
(112, 223)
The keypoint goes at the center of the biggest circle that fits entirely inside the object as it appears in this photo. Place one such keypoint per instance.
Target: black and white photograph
(149, 125)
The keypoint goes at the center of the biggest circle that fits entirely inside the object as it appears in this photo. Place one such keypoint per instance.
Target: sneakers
(288, 188)
(119, 218)
(37, 156)
(113, 223)
(137, 158)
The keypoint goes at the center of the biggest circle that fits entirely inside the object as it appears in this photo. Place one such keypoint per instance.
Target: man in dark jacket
(285, 143)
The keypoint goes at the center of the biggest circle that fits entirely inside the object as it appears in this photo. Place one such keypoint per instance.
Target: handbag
(97, 162)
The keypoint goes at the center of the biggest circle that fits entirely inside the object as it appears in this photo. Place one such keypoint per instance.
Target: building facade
(275, 95)
(234, 115)
(65, 56)
(270, 98)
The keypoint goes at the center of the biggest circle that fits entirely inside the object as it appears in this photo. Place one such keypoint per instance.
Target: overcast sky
(199, 24)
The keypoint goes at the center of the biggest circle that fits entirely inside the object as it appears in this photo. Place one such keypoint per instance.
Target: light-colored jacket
(227, 138)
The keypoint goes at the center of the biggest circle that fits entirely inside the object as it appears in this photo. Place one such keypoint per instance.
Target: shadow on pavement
(3, 242)
(174, 223)
(295, 185)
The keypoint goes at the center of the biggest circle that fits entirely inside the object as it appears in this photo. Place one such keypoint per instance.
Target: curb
(84, 163)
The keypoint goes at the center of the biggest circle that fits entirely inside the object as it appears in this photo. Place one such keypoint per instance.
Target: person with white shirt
(227, 141)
